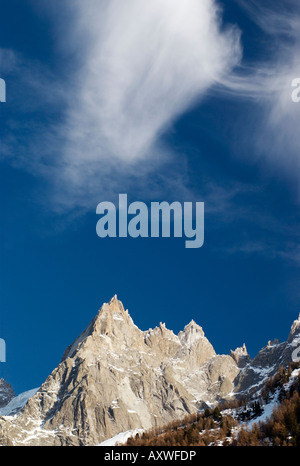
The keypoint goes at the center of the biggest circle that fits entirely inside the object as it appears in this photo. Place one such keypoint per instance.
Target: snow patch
(120, 438)
(17, 403)
(115, 317)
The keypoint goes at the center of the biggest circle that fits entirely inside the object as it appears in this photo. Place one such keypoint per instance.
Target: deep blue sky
(241, 286)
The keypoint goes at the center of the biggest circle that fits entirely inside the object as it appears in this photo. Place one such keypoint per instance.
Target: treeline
(208, 428)
(278, 381)
(221, 425)
(283, 427)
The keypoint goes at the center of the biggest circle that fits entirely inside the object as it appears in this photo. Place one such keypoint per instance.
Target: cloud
(125, 72)
(270, 127)
(146, 63)
(136, 67)
(289, 252)
(131, 69)
(8, 60)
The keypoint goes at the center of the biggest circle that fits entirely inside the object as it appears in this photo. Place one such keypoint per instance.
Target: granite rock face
(266, 363)
(115, 377)
(6, 393)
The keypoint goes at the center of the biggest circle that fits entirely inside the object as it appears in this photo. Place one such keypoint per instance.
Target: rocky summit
(6, 393)
(115, 377)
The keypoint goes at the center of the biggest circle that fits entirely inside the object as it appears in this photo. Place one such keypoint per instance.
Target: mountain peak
(242, 350)
(115, 377)
(295, 329)
(114, 309)
(240, 355)
(112, 321)
(194, 328)
(191, 333)
(6, 393)
(114, 305)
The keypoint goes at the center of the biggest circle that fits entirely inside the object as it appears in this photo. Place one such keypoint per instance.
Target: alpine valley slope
(115, 378)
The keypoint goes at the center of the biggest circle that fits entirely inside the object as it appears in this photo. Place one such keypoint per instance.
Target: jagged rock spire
(6, 393)
(295, 329)
(240, 355)
(116, 377)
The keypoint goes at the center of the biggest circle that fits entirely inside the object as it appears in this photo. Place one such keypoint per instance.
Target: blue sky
(169, 100)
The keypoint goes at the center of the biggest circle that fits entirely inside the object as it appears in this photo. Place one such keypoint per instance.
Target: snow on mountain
(6, 393)
(120, 438)
(17, 403)
(115, 379)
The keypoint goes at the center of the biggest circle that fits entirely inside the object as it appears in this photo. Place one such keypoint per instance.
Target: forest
(228, 424)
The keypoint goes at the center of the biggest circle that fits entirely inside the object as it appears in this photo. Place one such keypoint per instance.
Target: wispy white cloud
(289, 251)
(8, 60)
(272, 131)
(136, 67)
(145, 64)
(141, 65)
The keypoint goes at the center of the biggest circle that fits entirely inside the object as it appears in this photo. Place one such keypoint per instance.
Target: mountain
(6, 393)
(266, 363)
(16, 403)
(115, 378)
(272, 419)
